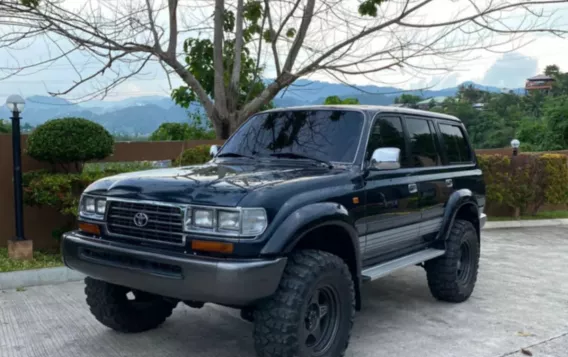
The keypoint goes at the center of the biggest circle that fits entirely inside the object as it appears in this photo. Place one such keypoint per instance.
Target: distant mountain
(143, 115)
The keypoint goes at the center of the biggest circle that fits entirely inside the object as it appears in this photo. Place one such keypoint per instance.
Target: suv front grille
(164, 223)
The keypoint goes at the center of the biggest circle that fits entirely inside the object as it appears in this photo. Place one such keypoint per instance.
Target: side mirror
(213, 150)
(386, 159)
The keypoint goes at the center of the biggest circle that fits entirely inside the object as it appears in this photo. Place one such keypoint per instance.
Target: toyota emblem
(141, 219)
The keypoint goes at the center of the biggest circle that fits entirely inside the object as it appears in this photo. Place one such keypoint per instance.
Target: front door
(392, 198)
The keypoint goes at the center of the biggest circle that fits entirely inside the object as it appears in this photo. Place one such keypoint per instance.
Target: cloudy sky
(507, 69)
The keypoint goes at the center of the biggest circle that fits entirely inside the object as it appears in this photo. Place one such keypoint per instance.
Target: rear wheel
(452, 277)
(124, 309)
(311, 313)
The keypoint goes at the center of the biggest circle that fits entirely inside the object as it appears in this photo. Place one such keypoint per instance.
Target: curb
(526, 224)
(46, 276)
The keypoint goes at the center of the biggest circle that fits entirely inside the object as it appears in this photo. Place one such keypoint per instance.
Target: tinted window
(331, 135)
(455, 145)
(423, 152)
(387, 132)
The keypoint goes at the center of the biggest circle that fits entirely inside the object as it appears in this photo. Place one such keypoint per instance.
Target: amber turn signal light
(90, 228)
(217, 247)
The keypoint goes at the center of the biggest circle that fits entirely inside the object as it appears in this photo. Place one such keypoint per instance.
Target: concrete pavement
(521, 301)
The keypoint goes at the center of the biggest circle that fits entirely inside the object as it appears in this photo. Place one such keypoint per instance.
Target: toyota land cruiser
(298, 209)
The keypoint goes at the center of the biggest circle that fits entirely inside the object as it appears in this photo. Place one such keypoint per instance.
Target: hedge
(194, 156)
(525, 183)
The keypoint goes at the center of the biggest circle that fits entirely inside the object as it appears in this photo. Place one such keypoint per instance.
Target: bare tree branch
(236, 73)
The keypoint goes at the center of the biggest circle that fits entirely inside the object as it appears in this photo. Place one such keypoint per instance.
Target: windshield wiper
(292, 155)
(234, 154)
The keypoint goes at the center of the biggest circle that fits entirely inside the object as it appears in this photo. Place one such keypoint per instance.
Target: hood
(218, 184)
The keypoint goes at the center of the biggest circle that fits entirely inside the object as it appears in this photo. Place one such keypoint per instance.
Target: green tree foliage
(70, 141)
(335, 100)
(5, 126)
(539, 120)
(199, 59)
(196, 130)
(409, 100)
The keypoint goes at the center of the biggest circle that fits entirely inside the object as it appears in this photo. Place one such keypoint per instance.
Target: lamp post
(15, 104)
(515, 145)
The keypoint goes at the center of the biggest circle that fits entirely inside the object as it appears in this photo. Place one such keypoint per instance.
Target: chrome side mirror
(213, 150)
(386, 159)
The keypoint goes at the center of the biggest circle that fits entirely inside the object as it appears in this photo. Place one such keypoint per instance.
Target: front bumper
(220, 281)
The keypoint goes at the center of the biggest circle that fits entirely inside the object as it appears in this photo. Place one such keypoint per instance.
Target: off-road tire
(447, 279)
(280, 321)
(110, 305)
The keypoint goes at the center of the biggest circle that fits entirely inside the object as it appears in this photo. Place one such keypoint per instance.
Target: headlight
(229, 220)
(92, 207)
(226, 221)
(203, 218)
(254, 221)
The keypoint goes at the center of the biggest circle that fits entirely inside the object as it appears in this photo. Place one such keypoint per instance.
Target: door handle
(412, 188)
(449, 183)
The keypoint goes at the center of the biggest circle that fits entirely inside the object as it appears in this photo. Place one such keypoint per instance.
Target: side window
(423, 150)
(387, 132)
(455, 145)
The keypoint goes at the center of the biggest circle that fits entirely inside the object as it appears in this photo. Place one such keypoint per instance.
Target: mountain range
(142, 115)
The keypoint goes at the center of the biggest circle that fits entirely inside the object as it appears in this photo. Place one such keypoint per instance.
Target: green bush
(70, 141)
(525, 183)
(194, 156)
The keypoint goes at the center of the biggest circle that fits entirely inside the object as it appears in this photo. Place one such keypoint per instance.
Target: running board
(378, 271)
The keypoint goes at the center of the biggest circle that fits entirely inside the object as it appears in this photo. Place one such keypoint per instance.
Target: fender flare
(456, 201)
(306, 219)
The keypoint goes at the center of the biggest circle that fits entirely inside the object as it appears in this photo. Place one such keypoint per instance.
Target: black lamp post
(15, 104)
(515, 144)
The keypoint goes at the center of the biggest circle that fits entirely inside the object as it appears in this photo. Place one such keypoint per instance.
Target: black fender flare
(457, 200)
(307, 218)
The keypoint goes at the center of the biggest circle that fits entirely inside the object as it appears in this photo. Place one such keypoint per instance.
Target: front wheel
(452, 276)
(311, 314)
(126, 310)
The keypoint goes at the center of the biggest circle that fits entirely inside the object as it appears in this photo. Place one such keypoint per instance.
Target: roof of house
(435, 99)
(540, 77)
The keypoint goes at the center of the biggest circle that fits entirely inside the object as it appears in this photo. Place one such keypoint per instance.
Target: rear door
(433, 178)
(459, 158)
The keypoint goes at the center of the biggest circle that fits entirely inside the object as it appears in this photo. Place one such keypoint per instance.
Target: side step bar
(378, 271)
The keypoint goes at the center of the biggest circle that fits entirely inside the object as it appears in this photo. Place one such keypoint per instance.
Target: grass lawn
(540, 215)
(41, 260)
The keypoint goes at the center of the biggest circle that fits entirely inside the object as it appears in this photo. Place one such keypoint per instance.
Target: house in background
(431, 103)
(539, 83)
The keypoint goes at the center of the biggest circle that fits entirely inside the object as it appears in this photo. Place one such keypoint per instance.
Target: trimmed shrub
(70, 141)
(525, 183)
(194, 156)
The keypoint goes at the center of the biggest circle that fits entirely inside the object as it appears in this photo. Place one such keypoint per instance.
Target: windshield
(330, 135)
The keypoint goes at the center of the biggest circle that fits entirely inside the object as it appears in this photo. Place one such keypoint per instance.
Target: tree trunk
(224, 126)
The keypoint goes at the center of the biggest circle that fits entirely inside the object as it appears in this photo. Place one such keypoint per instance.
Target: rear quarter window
(455, 145)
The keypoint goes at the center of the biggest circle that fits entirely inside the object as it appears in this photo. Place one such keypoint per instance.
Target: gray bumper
(221, 281)
(482, 220)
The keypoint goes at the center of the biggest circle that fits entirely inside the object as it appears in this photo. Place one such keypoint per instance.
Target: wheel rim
(321, 320)
(464, 262)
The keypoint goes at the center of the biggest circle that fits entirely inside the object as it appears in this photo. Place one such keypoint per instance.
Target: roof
(435, 99)
(369, 108)
(540, 77)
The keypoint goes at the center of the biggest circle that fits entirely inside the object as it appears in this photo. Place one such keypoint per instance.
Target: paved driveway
(521, 301)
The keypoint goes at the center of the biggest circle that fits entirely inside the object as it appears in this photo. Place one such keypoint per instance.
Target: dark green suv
(297, 210)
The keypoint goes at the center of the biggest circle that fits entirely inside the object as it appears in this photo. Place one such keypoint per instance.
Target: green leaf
(369, 7)
(291, 33)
